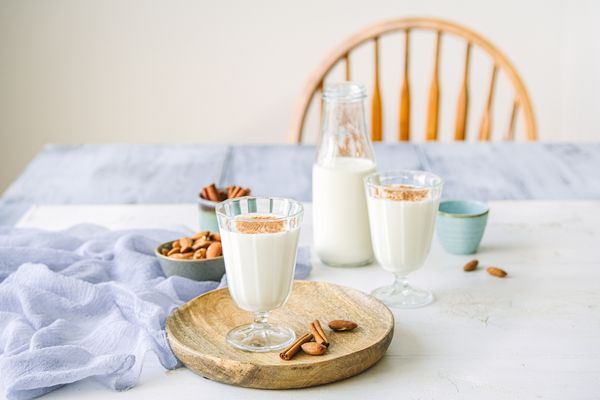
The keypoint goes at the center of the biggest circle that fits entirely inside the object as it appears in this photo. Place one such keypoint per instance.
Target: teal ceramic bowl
(461, 224)
(207, 216)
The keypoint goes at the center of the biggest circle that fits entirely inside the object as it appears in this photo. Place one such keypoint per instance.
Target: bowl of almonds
(198, 257)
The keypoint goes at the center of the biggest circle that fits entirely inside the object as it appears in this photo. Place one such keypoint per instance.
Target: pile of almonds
(201, 246)
(494, 271)
(314, 342)
(211, 192)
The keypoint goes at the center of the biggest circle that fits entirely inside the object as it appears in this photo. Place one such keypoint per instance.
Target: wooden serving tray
(196, 333)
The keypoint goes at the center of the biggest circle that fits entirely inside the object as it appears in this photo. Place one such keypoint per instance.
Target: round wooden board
(196, 333)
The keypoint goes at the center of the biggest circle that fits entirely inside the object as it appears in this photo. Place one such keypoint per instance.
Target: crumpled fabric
(87, 302)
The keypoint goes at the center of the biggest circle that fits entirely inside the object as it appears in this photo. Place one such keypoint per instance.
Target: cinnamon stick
(204, 193)
(243, 192)
(235, 191)
(317, 331)
(291, 351)
(212, 192)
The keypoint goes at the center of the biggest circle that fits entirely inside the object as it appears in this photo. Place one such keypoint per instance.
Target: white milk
(260, 267)
(402, 231)
(340, 219)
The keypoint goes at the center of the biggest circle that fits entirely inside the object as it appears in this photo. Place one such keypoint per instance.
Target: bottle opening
(344, 91)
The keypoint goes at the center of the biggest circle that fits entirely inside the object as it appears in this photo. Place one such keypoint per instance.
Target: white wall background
(83, 71)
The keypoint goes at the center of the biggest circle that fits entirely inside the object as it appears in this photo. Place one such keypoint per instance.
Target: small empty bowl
(209, 269)
(460, 225)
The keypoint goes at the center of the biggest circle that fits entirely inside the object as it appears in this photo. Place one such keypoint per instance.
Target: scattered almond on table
(471, 266)
(212, 193)
(497, 272)
(202, 245)
(494, 271)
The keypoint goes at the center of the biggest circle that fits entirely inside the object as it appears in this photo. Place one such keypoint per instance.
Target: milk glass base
(260, 336)
(402, 295)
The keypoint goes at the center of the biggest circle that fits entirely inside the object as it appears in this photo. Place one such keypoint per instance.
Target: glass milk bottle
(345, 156)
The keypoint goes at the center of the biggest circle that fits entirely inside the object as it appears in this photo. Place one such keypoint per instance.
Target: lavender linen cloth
(86, 302)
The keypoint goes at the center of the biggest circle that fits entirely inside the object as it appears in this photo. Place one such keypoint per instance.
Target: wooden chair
(441, 27)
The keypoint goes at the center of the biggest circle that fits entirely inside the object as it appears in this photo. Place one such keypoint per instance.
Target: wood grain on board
(197, 330)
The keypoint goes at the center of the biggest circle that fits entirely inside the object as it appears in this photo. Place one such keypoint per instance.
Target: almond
(175, 244)
(214, 250)
(201, 243)
(314, 348)
(216, 236)
(174, 250)
(180, 256)
(200, 235)
(199, 254)
(471, 265)
(164, 251)
(498, 272)
(339, 325)
(186, 244)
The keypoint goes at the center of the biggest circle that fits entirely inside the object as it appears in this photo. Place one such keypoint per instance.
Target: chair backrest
(373, 34)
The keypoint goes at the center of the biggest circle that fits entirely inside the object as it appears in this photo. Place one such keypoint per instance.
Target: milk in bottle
(345, 156)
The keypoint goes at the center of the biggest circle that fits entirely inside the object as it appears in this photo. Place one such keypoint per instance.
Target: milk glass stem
(260, 319)
(400, 283)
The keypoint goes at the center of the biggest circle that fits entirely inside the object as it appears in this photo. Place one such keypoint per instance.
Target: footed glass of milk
(402, 210)
(260, 238)
(344, 158)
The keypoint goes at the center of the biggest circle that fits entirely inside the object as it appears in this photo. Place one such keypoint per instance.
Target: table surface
(160, 173)
(531, 335)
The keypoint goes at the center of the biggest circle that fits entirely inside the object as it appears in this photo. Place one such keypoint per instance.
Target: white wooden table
(535, 334)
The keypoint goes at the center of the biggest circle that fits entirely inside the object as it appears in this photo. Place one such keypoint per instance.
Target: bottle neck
(344, 131)
(343, 117)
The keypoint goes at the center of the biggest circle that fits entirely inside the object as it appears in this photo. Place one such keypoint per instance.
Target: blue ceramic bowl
(460, 225)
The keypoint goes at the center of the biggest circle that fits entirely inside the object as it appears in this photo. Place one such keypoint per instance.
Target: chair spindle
(404, 125)
(510, 132)
(320, 89)
(434, 94)
(347, 64)
(463, 99)
(486, 121)
(376, 125)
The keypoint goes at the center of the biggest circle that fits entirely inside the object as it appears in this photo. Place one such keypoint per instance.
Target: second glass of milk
(260, 238)
(402, 210)
(344, 158)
